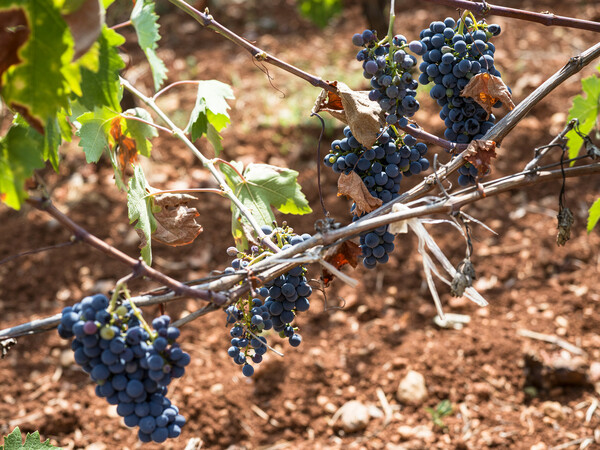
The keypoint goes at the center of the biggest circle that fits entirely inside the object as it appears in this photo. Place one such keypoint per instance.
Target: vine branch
(207, 21)
(282, 262)
(545, 18)
(137, 266)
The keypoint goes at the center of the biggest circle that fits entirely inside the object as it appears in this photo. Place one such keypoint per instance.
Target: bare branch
(548, 19)
(136, 265)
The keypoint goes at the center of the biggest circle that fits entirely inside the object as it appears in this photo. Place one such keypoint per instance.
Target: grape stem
(548, 19)
(139, 315)
(147, 122)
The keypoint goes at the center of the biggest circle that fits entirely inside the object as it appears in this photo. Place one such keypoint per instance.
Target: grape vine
(79, 90)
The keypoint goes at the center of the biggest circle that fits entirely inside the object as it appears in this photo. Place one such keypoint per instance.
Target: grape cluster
(382, 167)
(280, 300)
(456, 53)
(376, 246)
(131, 364)
(388, 67)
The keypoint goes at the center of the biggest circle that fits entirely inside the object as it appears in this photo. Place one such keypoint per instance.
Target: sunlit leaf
(586, 110)
(145, 22)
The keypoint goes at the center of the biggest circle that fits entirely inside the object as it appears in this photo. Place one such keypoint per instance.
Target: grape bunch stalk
(274, 307)
(131, 363)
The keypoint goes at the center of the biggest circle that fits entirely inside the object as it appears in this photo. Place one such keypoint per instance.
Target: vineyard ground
(385, 328)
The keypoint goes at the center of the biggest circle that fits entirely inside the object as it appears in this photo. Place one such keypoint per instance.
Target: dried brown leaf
(352, 186)
(175, 222)
(486, 90)
(354, 108)
(345, 253)
(480, 154)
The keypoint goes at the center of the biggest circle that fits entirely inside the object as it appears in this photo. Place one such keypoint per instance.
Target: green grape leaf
(593, 216)
(94, 132)
(145, 22)
(66, 132)
(14, 441)
(214, 138)
(36, 86)
(210, 115)
(139, 207)
(586, 110)
(320, 12)
(264, 187)
(20, 155)
(52, 142)
(101, 87)
(141, 132)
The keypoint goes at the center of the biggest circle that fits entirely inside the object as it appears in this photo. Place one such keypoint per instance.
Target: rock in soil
(412, 389)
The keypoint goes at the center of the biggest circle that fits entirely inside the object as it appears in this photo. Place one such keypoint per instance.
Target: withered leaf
(345, 253)
(175, 222)
(486, 90)
(352, 186)
(354, 108)
(14, 32)
(85, 24)
(480, 154)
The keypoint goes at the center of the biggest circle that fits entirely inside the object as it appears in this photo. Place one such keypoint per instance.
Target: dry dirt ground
(507, 391)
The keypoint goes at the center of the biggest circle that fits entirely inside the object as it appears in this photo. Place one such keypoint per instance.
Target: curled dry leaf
(352, 186)
(480, 154)
(345, 253)
(355, 109)
(175, 221)
(486, 90)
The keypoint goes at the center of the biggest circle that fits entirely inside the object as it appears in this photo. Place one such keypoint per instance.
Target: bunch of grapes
(131, 364)
(388, 67)
(382, 167)
(376, 246)
(456, 52)
(274, 307)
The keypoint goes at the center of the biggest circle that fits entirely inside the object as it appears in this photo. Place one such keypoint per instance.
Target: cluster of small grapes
(280, 300)
(131, 364)
(388, 67)
(381, 168)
